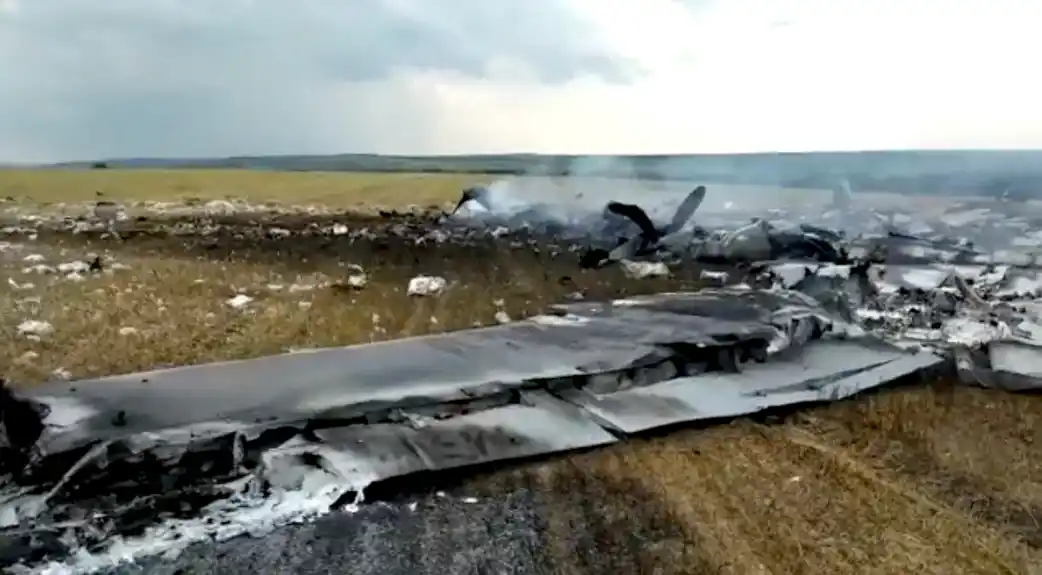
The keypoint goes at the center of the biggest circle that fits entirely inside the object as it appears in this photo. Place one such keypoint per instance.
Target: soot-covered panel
(346, 382)
(352, 381)
(535, 425)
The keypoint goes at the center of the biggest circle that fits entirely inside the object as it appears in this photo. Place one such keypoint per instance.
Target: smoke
(575, 192)
(578, 193)
(567, 196)
(570, 198)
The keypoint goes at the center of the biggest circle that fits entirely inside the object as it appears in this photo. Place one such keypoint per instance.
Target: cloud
(106, 78)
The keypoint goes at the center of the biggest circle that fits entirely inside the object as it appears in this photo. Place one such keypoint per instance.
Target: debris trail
(302, 440)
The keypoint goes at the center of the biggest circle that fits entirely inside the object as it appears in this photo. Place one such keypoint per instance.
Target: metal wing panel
(356, 379)
(539, 425)
(1015, 366)
(318, 426)
(446, 367)
(808, 378)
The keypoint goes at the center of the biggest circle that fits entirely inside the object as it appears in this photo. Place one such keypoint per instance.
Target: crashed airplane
(154, 461)
(843, 234)
(625, 231)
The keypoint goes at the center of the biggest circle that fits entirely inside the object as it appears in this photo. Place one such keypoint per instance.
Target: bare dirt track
(939, 478)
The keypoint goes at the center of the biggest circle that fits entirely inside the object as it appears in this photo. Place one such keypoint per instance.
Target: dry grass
(335, 189)
(943, 479)
(871, 486)
(178, 310)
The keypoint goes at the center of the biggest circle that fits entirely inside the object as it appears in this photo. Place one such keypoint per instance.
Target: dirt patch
(162, 299)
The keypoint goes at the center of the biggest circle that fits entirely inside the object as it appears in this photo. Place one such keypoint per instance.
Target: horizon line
(520, 154)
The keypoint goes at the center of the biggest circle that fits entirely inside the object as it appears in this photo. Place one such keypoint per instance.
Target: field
(935, 479)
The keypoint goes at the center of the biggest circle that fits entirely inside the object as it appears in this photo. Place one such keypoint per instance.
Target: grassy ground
(336, 189)
(942, 479)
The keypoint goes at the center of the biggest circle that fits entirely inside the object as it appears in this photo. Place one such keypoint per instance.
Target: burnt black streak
(441, 536)
(601, 527)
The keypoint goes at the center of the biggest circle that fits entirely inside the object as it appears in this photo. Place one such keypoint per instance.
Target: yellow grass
(338, 189)
(939, 479)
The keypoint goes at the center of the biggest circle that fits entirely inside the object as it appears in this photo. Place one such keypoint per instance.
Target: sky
(90, 79)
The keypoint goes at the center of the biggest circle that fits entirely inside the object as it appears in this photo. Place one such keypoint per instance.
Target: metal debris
(34, 327)
(239, 301)
(427, 285)
(357, 278)
(641, 270)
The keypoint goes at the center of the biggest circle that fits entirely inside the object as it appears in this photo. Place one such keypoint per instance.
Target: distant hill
(955, 172)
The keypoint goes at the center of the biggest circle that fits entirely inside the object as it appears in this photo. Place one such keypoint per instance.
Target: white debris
(74, 266)
(28, 357)
(972, 332)
(61, 374)
(641, 270)
(33, 327)
(924, 278)
(127, 330)
(39, 269)
(33, 258)
(1021, 287)
(502, 317)
(357, 281)
(434, 236)
(717, 277)
(80, 227)
(239, 301)
(960, 219)
(219, 208)
(74, 277)
(339, 229)
(426, 285)
(20, 286)
(559, 320)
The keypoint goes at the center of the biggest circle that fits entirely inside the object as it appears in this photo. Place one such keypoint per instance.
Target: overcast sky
(83, 79)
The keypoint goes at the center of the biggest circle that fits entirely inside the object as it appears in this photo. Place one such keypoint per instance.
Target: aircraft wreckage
(626, 231)
(150, 462)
